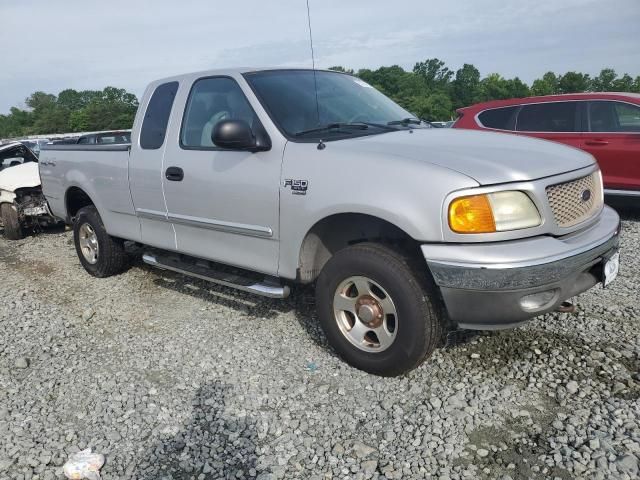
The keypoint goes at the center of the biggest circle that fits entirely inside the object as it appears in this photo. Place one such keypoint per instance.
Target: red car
(607, 125)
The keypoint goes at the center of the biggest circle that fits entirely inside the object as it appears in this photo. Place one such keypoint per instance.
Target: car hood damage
(487, 157)
(25, 175)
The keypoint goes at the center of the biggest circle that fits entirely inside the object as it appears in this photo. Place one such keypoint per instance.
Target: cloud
(127, 43)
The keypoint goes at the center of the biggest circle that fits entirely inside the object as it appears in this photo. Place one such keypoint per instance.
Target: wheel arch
(337, 231)
(76, 198)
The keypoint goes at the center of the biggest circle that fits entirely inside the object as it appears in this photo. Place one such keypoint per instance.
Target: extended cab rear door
(146, 165)
(223, 204)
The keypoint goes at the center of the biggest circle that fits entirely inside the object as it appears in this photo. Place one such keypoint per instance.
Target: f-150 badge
(298, 187)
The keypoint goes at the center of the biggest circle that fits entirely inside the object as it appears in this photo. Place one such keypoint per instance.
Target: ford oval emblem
(586, 195)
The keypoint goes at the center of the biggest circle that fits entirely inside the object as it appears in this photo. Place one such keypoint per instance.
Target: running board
(228, 277)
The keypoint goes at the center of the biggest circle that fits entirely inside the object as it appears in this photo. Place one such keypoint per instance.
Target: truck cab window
(212, 100)
(156, 118)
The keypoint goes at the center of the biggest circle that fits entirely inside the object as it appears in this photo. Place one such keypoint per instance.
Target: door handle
(174, 174)
(596, 142)
(48, 164)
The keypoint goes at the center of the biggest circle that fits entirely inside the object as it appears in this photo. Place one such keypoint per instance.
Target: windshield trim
(332, 136)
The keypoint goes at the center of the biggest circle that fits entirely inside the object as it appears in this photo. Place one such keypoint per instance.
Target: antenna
(313, 62)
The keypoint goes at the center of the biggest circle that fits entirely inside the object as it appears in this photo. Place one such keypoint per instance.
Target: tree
(436, 106)
(547, 85)
(517, 88)
(604, 81)
(623, 84)
(466, 86)
(434, 73)
(573, 82)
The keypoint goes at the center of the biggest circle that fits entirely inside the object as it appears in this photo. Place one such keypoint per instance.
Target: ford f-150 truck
(259, 179)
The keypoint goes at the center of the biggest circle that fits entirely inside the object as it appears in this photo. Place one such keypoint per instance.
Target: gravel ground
(172, 378)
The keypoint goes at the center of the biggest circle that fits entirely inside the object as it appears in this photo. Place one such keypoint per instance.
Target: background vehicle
(607, 125)
(106, 138)
(35, 145)
(22, 204)
(100, 138)
(257, 179)
(15, 153)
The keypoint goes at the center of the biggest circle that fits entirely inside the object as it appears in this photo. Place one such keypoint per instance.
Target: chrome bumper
(483, 284)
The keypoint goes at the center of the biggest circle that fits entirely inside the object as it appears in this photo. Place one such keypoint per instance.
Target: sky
(89, 44)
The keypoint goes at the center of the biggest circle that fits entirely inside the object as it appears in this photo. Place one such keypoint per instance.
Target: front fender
(406, 193)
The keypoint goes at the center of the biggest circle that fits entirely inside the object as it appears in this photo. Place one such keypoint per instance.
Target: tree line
(71, 111)
(430, 90)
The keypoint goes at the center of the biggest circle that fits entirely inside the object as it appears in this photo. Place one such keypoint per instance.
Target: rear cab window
(548, 117)
(156, 117)
(499, 118)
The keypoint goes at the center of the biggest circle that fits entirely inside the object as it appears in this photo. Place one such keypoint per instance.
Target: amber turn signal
(471, 214)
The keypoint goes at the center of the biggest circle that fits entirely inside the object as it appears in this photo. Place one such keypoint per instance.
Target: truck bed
(103, 173)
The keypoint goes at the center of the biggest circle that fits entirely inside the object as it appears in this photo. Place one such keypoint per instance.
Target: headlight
(493, 212)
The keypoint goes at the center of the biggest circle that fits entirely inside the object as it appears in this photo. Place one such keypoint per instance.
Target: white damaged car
(22, 204)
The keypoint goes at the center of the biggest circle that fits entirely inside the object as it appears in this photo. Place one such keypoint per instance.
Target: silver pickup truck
(259, 179)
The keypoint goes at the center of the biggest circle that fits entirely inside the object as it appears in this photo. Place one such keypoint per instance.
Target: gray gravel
(172, 378)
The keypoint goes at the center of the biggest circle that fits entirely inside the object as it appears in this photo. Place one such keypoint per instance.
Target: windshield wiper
(333, 126)
(406, 121)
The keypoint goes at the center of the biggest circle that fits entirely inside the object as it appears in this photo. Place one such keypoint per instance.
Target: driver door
(223, 203)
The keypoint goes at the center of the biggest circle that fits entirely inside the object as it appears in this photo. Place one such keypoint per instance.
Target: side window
(85, 140)
(156, 118)
(501, 118)
(212, 100)
(548, 117)
(614, 117)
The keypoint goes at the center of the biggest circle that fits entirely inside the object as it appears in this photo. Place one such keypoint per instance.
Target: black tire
(112, 258)
(420, 315)
(12, 228)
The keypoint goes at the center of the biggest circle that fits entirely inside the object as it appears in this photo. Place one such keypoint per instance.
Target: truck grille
(577, 200)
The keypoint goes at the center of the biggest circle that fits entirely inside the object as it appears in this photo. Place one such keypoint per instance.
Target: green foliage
(431, 91)
(71, 111)
(574, 82)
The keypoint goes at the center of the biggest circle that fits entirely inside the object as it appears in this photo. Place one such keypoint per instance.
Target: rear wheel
(100, 254)
(12, 228)
(380, 314)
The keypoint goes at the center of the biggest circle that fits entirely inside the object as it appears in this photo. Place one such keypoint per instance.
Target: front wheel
(11, 222)
(100, 254)
(380, 314)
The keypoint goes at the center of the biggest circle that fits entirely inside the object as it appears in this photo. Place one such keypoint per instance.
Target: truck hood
(20, 176)
(487, 157)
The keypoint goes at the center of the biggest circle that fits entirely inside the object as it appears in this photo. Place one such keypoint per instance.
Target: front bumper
(483, 284)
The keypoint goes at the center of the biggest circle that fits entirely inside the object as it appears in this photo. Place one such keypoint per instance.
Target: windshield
(290, 98)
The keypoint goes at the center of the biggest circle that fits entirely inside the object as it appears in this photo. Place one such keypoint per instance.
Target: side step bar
(201, 269)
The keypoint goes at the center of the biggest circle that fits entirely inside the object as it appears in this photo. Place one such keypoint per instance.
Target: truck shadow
(212, 444)
(301, 301)
(627, 207)
(40, 230)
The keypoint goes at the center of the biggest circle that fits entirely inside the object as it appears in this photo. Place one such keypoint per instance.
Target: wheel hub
(89, 243)
(369, 311)
(365, 314)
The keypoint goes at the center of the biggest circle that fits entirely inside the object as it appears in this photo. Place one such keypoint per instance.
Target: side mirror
(234, 134)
